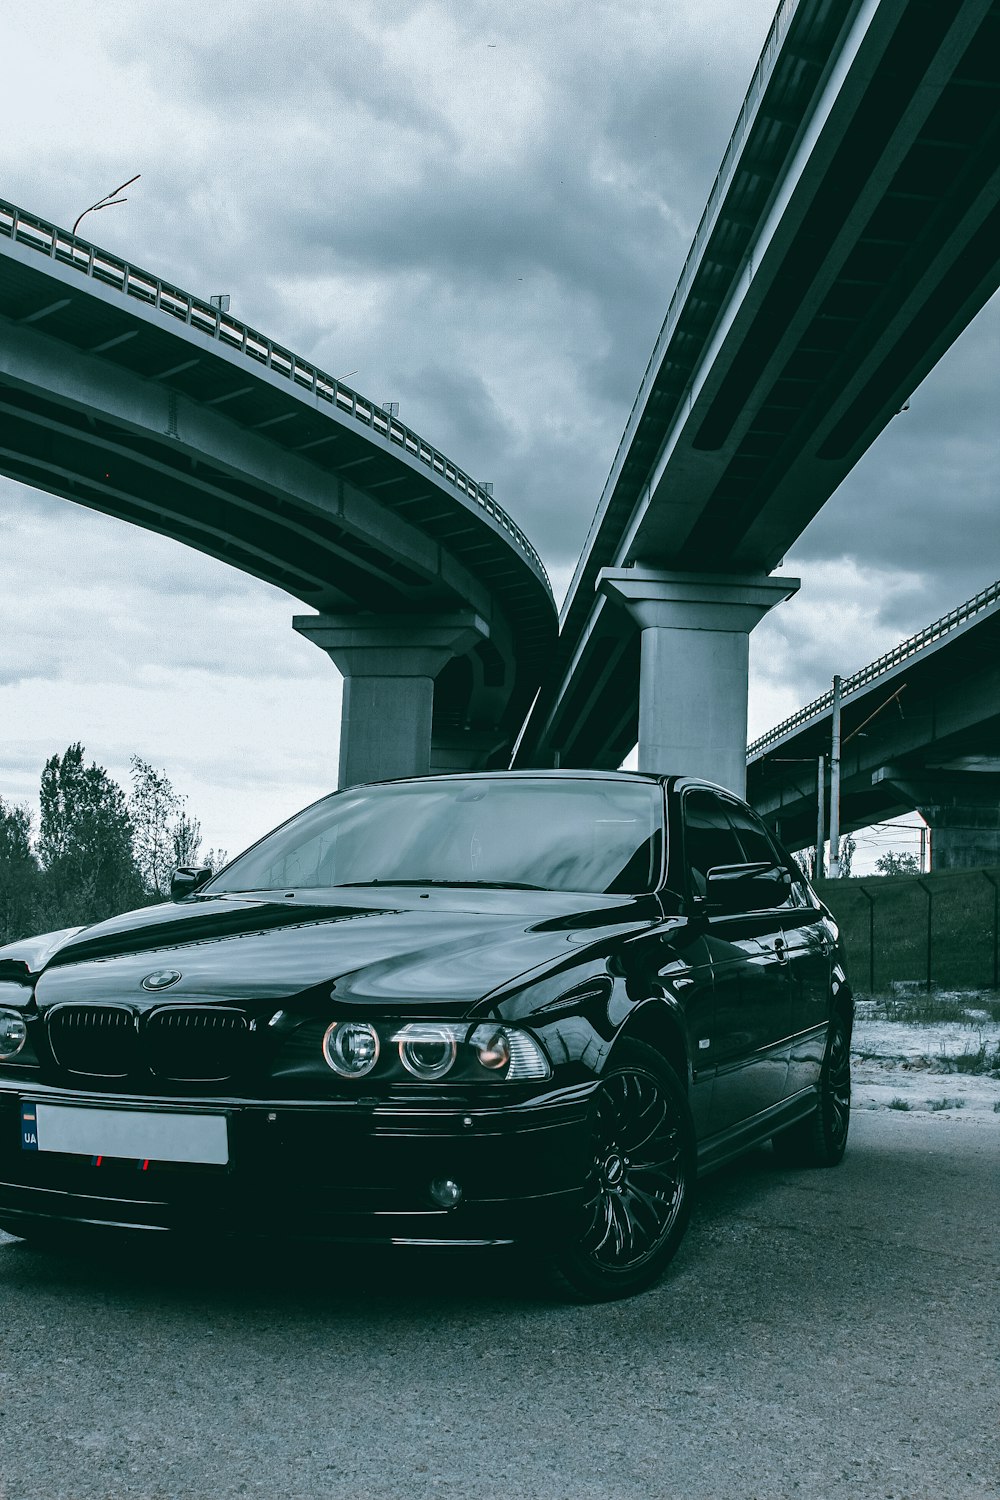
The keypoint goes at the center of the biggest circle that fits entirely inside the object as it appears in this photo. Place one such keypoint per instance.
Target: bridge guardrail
(882, 664)
(101, 265)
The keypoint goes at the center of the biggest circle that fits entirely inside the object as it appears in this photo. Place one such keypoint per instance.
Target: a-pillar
(962, 808)
(388, 663)
(694, 665)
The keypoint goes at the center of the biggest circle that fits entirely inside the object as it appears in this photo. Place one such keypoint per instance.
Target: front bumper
(354, 1170)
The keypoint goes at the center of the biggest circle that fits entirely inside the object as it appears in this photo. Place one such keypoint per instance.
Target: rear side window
(709, 837)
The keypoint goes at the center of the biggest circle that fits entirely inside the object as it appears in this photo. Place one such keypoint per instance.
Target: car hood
(429, 947)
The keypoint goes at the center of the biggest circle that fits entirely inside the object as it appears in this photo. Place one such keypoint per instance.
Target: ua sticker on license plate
(133, 1134)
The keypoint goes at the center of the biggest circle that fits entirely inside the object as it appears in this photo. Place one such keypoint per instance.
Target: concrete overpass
(920, 730)
(852, 232)
(129, 395)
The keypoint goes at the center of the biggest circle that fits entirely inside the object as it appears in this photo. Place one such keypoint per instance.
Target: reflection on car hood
(399, 944)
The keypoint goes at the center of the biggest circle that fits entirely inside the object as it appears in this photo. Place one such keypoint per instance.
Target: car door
(810, 970)
(747, 1045)
(801, 940)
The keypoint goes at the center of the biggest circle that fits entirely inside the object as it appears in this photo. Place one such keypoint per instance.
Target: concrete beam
(962, 808)
(695, 649)
(388, 664)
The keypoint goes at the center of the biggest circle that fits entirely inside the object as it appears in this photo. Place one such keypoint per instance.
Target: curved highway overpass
(852, 232)
(129, 395)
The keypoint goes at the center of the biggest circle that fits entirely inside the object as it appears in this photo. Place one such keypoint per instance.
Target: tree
(185, 837)
(160, 828)
(18, 872)
(893, 862)
(84, 843)
(848, 848)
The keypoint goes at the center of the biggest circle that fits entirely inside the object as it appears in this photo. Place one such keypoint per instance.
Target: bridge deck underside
(243, 515)
(931, 713)
(893, 248)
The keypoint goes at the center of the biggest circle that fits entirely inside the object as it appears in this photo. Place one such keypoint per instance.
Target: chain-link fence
(940, 930)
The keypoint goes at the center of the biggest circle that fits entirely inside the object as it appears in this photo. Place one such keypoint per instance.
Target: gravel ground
(821, 1335)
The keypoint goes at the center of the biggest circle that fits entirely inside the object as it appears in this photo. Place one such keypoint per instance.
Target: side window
(753, 835)
(801, 892)
(709, 839)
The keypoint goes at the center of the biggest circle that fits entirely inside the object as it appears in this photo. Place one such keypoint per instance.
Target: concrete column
(962, 808)
(694, 665)
(389, 663)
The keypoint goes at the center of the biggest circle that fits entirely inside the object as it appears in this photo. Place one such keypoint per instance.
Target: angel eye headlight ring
(351, 1048)
(13, 1034)
(427, 1051)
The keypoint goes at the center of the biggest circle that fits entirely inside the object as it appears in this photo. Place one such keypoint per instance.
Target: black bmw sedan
(505, 1007)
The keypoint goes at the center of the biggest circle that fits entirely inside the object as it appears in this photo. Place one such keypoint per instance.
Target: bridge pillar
(695, 650)
(962, 808)
(388, 663)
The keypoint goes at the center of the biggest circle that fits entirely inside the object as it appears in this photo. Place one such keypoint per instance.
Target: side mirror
(756, 887)
(187, 879)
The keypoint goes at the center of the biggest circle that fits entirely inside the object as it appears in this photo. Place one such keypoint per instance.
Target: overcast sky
(478, 211)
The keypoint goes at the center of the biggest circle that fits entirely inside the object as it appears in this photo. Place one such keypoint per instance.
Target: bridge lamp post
(108, 201)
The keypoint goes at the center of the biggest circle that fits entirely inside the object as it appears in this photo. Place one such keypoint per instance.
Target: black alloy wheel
(640, 1187)
(820, 1140)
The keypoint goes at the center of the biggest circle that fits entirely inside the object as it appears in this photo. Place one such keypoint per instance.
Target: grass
(898, 1103)
(963, 920)
(919, 1006)
(938, 1104)
(976, 1062)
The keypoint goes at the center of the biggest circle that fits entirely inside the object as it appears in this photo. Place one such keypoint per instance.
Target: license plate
(134, 1134)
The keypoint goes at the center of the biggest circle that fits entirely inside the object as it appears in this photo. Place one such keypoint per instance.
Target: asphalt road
(820, 1335)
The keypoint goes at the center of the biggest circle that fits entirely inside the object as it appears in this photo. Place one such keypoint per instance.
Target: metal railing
(758, 83)
(101, 265)
(883, 664)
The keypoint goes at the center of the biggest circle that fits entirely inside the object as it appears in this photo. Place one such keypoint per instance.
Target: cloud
(482, 211)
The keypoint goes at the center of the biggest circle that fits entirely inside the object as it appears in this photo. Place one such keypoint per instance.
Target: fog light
(13, 1034)
(445, 1192)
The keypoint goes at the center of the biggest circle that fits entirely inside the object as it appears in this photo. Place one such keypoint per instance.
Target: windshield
(590, 836)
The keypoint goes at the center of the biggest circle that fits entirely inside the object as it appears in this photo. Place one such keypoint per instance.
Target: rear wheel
(820, 1140)
(640, 1186)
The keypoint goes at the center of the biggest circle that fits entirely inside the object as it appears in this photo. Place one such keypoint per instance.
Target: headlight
(427, 1051)
(13, 1034)
(514, 1053)
(351, 1048)
(431, 1049)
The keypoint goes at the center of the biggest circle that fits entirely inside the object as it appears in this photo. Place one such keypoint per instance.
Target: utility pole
(820, 815)
(835, 783)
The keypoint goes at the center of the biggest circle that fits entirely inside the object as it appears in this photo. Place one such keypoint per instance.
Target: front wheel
(820, 1140)
(640, 1186)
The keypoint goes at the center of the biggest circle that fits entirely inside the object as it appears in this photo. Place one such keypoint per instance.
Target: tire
(820, 1140)
(640, 1187)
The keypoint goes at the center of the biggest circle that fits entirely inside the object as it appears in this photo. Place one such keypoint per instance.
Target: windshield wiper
(484, 885)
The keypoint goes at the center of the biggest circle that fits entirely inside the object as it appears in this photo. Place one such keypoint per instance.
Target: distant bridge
(128, 395)
(920, 730)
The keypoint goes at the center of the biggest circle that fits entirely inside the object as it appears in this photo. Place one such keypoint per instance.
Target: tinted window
(709, 838)
(753, 836)
(573, 835)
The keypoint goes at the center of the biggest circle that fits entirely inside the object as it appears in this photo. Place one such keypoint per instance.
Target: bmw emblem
(160, 979)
